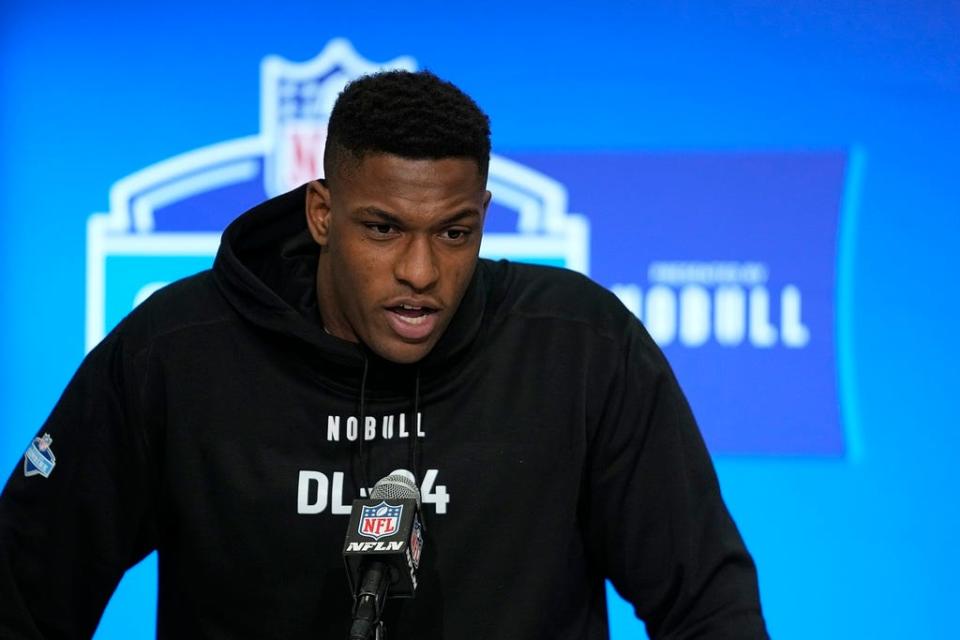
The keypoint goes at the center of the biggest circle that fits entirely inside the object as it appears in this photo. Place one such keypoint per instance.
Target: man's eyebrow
(379, 213)
(392, 219)
(460, 215)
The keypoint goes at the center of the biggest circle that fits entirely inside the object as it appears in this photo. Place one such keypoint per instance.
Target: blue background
(850, 547)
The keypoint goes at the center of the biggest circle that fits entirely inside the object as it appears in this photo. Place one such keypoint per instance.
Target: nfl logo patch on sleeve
(39, 458)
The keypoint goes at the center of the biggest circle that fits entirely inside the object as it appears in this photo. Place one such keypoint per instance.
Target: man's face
(399, 242)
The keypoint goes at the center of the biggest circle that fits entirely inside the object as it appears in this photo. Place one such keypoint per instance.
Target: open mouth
(412, 322)
(411, 314)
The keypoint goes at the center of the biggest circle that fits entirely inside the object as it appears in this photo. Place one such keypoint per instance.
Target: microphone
(382, 550)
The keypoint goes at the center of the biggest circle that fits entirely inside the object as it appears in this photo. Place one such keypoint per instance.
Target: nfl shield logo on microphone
(379, 520)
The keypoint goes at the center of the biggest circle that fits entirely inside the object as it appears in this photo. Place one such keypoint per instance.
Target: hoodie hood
(266, 268)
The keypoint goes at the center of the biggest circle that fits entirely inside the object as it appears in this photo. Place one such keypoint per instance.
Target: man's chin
(400, 352)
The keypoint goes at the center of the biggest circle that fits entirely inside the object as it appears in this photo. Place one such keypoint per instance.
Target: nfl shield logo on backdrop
(297, 99)
(380, 520)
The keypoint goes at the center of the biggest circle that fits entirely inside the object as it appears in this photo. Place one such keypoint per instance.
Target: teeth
(408, 307)
(414, 321)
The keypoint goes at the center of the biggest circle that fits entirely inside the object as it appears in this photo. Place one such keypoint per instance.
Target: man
(347, 329)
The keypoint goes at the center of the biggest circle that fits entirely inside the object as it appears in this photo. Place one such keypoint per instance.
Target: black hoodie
(220, 425)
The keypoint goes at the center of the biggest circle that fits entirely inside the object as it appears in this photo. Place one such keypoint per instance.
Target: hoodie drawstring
(414, 448)
(365, 483)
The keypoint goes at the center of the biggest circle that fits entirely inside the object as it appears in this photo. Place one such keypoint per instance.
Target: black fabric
(557, 451)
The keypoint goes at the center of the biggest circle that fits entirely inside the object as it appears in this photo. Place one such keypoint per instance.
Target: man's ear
(486, 205)
(318, 211)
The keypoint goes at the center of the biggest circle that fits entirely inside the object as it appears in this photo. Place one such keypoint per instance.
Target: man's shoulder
(547, 292)
(195, 302)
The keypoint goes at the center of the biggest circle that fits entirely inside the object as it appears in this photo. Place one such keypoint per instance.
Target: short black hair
(413, 115)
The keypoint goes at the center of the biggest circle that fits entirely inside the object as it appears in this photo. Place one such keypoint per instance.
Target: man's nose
(417, 265)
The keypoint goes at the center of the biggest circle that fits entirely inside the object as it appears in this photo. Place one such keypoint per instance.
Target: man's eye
(456, 234)
(381, 229)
